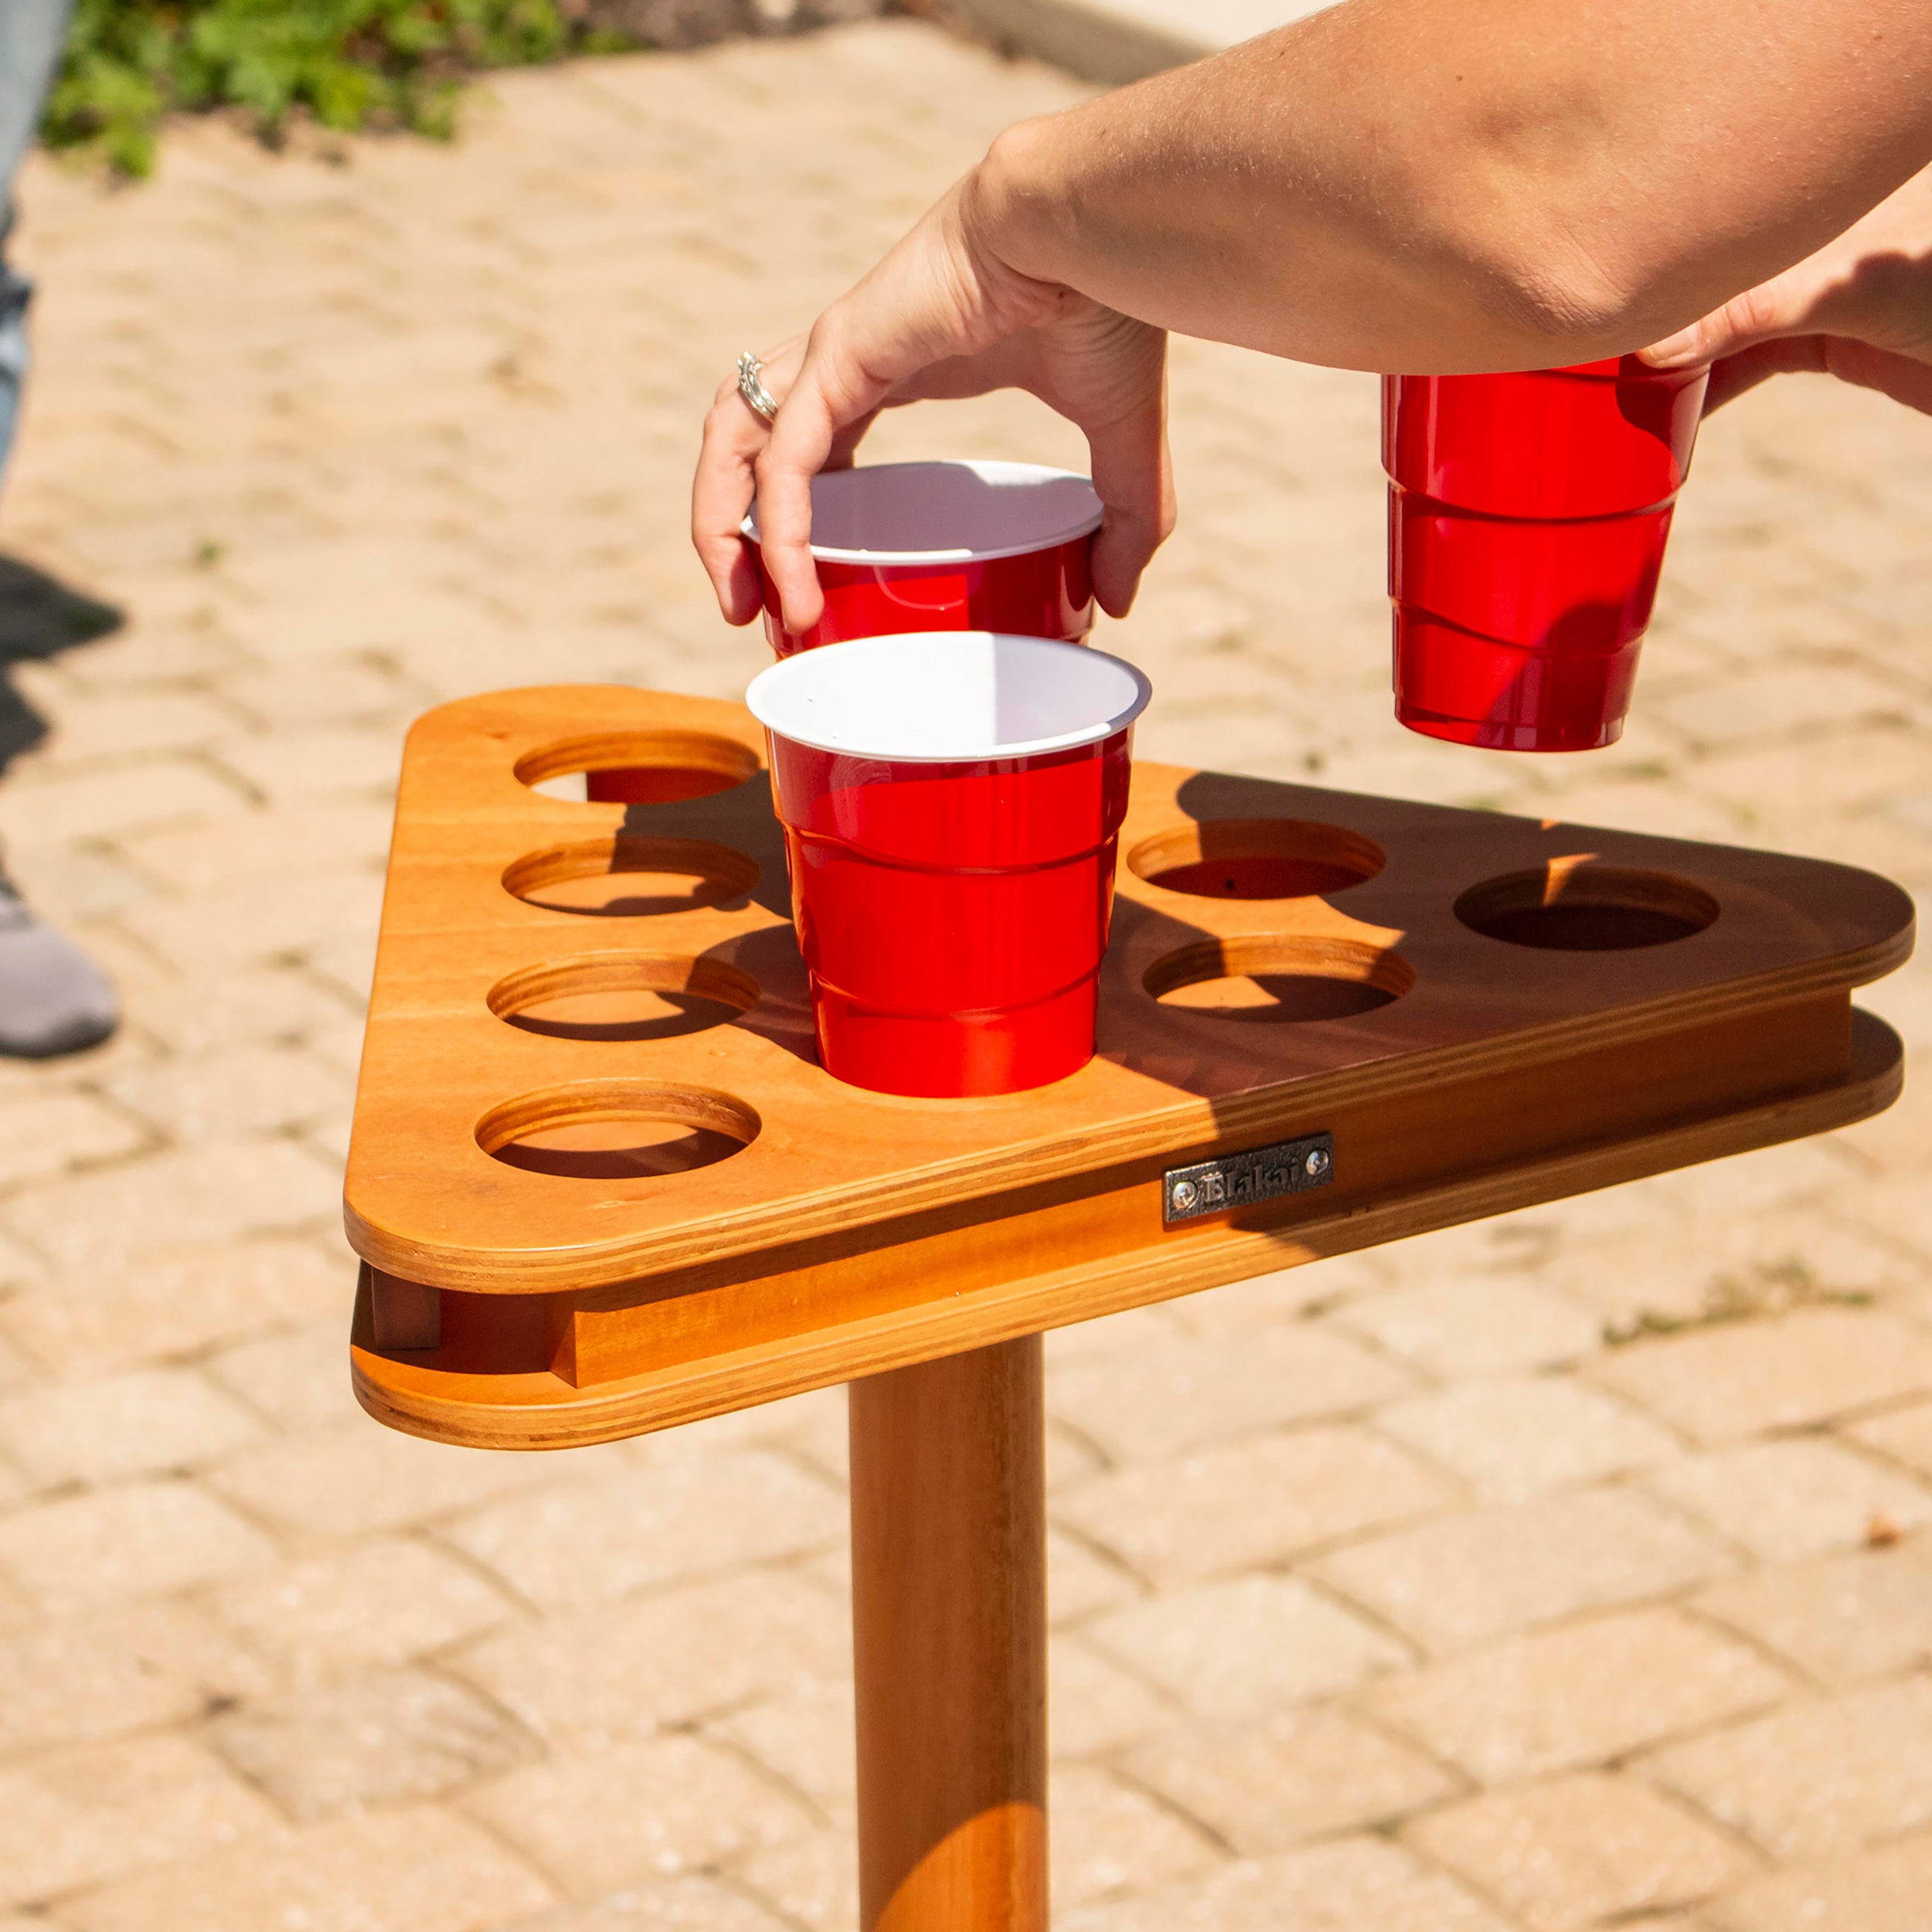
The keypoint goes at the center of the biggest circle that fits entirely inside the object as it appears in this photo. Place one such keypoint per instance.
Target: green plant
(349, 64)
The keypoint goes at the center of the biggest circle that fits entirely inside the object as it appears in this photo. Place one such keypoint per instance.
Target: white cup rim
(781, 699)
(1068, 530)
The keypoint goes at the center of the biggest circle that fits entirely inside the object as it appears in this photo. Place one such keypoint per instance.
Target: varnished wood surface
(949, 1636)
(858, 1232)
(501, 1406)
(425, 1201)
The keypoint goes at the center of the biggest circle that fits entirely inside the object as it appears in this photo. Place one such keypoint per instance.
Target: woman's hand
(1860, 309)
(941, 315)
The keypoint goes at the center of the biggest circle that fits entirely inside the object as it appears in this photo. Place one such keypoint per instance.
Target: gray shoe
(53, 998)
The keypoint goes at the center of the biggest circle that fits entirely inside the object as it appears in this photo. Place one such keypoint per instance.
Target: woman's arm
(1404, 184)
(1442, 184)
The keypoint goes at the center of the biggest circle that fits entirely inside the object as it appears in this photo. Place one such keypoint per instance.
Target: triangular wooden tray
(857, 1230)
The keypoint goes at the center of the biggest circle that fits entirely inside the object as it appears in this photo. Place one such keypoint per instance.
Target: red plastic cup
(907, 547)
(952, 804)
(1528, 514)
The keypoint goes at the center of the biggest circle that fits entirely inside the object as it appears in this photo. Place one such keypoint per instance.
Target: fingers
(721, 494)
(1779, 307)
(1134, 480)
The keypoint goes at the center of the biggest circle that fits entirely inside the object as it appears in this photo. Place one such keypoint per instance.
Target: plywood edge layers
(538, 1409)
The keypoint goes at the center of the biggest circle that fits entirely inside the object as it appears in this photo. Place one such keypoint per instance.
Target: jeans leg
(15, 292)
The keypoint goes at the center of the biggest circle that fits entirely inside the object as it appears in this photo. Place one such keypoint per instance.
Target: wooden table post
(949, 1631)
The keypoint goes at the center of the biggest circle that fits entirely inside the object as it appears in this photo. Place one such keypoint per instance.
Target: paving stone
(1513, 1440)
(1267, 1784)
(385, 1601)
(250, 1088)
(701, 1903)
(420, 1870)
(135, 1424)
(335, 836)
(637, 1811)
(1800, 1497)
(373, 1740)
(805, 1736)
(1346, 1886)
(1860, 1614)
(1251, 1504)
(140, 1539)
(1880, 1891)
(79, 1683)
(1465, 1579)
(122, 725)
(1109, 1840)
(208, 1011)
(97, 805)
(812, 1881)
(88, 1817)
(1819, 1778)
(1093, 1705)
(582, 1680)
(53, 1132)
(168, 1301)
(255, 920)
(1143, 1405)
(1805, 1368)
(569, 1544)
(209, 1193)
(1584, 1694)
(1473, 1325)
(1229, 1648)
(1582, 1851)
(1080, 1580)
(353, 1477)
(299, 1378)
(1905, 1434)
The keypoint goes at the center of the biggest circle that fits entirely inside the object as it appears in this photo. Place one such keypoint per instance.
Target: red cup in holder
(1528, 514)
(910, 547)
(952, 804)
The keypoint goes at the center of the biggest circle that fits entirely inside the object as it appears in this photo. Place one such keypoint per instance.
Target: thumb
(1779, 307)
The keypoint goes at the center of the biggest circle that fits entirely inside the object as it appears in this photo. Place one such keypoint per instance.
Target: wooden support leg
(949, 1631)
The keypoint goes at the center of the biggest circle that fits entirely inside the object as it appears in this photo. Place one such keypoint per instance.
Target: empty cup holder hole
(1574, 907)
(627, 877)
(616, 1130)
(623, 996)
(1256, 858)
(638, 767)
(1278, 978)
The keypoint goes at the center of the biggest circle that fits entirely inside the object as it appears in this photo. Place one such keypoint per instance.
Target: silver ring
(759, 399)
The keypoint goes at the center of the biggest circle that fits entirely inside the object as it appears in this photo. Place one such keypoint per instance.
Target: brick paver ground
(1433, 1603)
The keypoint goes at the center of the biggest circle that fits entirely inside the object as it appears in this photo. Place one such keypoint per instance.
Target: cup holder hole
(623, 996)
(613, 1130)
(625, 877)
(1256, 858)
(1571, 905)
(1275, 978)
(638, 767)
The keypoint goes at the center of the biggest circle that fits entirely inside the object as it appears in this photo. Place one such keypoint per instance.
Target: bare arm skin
(1398, 184)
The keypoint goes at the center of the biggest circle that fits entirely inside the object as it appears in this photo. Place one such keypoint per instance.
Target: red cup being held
(952, 804)
(906, 547)
(1528, 514)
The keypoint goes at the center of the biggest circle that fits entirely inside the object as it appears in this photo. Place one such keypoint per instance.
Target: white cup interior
(950, 512)
(945, 695)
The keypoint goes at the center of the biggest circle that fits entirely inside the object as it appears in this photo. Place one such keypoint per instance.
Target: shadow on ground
(39, 618)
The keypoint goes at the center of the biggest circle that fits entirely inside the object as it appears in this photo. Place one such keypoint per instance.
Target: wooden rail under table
(601, 1186)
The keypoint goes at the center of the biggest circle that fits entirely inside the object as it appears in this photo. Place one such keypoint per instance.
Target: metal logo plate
(1244, 1180)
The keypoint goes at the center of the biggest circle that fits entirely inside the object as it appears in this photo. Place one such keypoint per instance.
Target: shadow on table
(39, 618)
